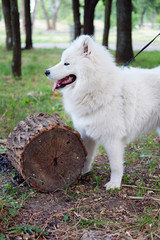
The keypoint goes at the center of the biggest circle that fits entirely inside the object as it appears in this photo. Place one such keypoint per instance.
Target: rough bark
(56, 6)
(124, 51)
(28, 25)
(48, 154)
(89, 16)
(16, 61)
(108, 8)
(7, 19)
(76, 14)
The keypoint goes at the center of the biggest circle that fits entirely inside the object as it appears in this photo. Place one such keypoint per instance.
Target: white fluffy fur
(108, 104)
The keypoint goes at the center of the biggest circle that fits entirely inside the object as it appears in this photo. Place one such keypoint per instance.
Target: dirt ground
(86, 210)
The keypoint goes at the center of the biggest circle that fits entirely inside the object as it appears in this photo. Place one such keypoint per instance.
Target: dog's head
(67, 72)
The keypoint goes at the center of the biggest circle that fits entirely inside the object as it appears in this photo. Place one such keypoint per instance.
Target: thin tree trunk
(16, 61)
(7, 19)
(34, 13)
(45, 14)
(124, 50)
(55, 11)
(23, 15)
(77, 23)
(28, 25)
(89, 16)
(142, 18)
(108, 8)
(153, 17)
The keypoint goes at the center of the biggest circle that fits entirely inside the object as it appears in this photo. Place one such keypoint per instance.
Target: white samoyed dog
(108, 104)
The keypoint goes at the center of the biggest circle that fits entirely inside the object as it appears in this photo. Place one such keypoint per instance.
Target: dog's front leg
(115, 151)
(91, 149)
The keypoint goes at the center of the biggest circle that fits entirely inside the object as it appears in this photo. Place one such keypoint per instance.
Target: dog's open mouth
(64, 81)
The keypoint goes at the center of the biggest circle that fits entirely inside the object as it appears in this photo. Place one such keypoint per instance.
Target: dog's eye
(66, 64)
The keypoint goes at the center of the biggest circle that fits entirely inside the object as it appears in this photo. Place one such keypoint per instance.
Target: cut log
(49, 154)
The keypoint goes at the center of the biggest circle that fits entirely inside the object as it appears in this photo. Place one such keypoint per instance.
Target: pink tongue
(64, 80)
(54, 86)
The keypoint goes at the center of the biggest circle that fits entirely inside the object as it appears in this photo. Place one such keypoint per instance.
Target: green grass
(26, 229)
(148, 222)
(94, 223)
(147, 59)
(11, 201)
(33, 93)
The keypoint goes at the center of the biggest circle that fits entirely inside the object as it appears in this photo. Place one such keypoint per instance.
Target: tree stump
(49, 154)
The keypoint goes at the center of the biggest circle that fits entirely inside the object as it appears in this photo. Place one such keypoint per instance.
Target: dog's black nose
(47, 72)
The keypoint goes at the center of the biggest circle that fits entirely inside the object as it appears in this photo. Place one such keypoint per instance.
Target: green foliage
(3, 149)
(66, 217)
(96, 181)
(64, 12)
(148, 221)
(2, 236)
(151, 8)
(99, 11)
(85, 223)
(24, 229)
(126, 179)
(101, 149)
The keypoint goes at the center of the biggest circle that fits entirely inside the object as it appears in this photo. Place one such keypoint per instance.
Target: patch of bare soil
(96, 214)
(86, 211)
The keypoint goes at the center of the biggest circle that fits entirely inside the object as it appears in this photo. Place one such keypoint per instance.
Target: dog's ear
(86, 46)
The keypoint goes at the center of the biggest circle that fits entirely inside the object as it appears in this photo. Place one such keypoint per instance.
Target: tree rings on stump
(49, 154)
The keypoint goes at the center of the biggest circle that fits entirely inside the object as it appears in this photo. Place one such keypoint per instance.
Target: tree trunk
(23, 15)
(28, 25)
(153, 17)
(108, 8)
(77, 23)
(89, 16)
(34, 13)
(142, 18)
(56, 6)
(124, 50)
(7, 19)
(16, 61)
(48, 154)
(46, 15)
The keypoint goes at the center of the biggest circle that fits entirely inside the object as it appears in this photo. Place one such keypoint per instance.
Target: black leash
(127, 63)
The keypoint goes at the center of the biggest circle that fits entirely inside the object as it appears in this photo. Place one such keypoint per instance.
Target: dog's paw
(112, 185)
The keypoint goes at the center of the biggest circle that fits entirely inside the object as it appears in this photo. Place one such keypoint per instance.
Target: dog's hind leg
(115, 151)
(91, 147)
